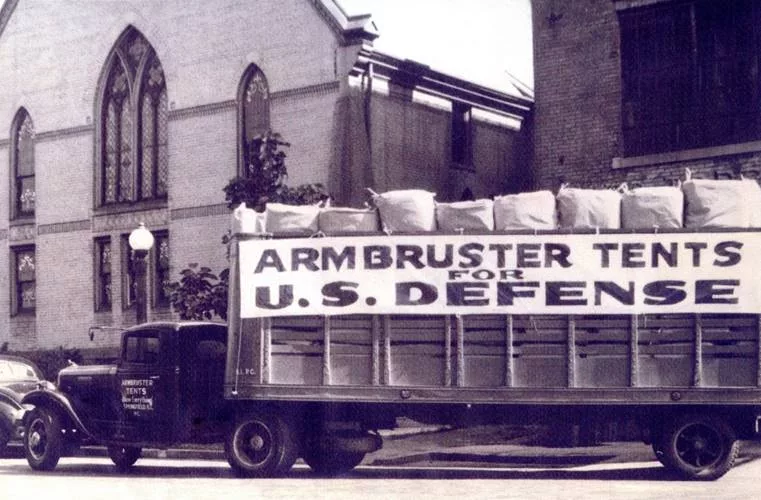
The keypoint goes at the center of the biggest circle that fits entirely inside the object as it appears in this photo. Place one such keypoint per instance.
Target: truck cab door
(148, 383)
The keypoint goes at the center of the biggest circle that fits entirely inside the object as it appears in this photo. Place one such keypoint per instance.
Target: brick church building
(117, 113)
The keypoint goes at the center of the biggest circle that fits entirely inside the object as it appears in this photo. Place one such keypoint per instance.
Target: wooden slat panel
(558, 350)
(685, 349)
(697, 360)
(448, 353)
(509, 362)
(634, 352)
(386, 378)
(459, 352)
(571, 358)
(714, 334)
(376, 352)
(521, 337)
(266, 349)
(593, 350)
(326, 375)
(758, 367)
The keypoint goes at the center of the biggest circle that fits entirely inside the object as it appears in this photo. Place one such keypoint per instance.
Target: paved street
(616, 470)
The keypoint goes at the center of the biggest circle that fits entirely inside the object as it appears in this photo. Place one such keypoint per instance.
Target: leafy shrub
(200, 294)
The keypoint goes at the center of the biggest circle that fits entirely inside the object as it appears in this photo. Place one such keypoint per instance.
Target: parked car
(18, 376)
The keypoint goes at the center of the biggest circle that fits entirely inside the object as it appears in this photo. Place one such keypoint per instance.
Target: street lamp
(141, 241)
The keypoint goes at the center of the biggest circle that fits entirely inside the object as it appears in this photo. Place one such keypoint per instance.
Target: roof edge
(5, 13)
(351, 29)
(412, 74)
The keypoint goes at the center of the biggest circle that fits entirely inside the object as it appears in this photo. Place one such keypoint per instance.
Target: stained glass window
(134, 108)
(162, 276)
(129, 281)
(158, 272)
(24, 274)
(23, 165)
(153, 133)
(254, 109)
(103, 291)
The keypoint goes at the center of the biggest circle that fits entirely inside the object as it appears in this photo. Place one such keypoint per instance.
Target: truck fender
(56, 401)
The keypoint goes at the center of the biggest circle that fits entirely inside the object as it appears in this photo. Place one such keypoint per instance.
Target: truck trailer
(331, 339)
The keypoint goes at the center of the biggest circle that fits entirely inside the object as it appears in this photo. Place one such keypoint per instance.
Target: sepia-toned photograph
(380, 249)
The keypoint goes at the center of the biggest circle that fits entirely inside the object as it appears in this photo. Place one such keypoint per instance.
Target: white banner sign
(500, 274)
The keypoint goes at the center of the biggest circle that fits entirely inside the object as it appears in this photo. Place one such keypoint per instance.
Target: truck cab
(166, 387)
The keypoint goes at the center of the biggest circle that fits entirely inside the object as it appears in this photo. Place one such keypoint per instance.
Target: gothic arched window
(253, 110)
(22, 162)
(132, 131)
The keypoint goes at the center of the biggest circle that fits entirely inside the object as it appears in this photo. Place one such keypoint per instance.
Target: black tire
(261, 445)
(5, 437)
(124, 457)
(43, 442)
(699, 447)
(331, 462)
(658, 452)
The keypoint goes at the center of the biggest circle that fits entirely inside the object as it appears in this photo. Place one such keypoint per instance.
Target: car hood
(21, 387)
(88, 370)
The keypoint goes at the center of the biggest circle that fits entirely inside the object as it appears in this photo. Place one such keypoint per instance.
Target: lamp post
(141, 241)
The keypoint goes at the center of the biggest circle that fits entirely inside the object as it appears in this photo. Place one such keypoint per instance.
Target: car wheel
(700, 447)
(261, 445)
(124, 457)
(43, 442)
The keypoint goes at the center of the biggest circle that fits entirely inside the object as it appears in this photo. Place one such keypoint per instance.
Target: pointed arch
(253, 110)
(23, 192)
(131, 130)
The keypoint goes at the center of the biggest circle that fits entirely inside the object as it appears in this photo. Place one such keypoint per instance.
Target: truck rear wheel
(699, 447)
(329, 454)
(43, 442)
(124, 457)
(330, 462)
(261, 445)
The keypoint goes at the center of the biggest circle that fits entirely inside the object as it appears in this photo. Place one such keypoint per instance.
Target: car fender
(10, 398)
(57, 401)
(10, 409)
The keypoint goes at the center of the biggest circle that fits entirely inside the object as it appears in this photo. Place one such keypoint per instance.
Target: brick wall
(578, 106)
(576, 70)
(52, 56)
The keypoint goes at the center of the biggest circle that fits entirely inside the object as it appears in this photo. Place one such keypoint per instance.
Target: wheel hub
(34, 439)
(256, 442)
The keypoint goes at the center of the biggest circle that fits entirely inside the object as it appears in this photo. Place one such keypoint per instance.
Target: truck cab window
(142, 349)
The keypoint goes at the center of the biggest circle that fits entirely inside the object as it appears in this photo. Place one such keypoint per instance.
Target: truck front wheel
(261, 445)
(699, 447)
(124, 457)
(43, 442)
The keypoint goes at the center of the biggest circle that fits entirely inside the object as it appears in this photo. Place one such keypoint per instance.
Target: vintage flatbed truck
(331, 339)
